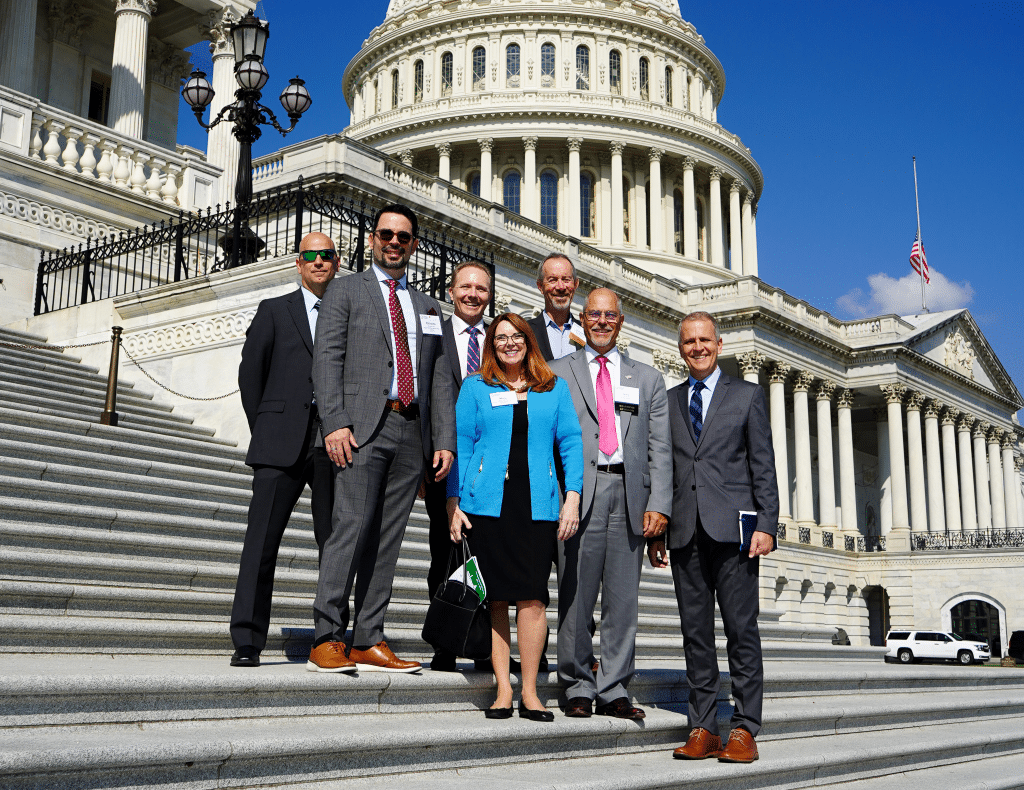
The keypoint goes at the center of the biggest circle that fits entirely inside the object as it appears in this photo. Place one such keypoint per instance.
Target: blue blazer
(484, 433)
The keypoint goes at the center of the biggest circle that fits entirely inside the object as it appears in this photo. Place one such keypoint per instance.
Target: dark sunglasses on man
(386, 235)
(310, 255)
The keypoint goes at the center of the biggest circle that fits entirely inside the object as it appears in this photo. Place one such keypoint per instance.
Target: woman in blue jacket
(504, 488)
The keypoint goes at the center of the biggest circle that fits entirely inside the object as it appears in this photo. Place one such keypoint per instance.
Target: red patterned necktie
(608, 441)
(406, 389)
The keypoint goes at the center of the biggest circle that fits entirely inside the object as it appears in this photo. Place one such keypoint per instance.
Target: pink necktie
(608, 441)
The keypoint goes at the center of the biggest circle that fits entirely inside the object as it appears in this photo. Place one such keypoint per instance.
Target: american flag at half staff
(918, 260)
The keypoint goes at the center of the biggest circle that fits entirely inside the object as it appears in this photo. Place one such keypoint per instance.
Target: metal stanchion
(109, 416)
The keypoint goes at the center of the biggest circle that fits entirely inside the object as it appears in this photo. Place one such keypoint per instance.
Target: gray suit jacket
(646, 451)
(353, 363)
(731, 468)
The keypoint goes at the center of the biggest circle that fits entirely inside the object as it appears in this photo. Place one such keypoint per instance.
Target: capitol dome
(595, 118)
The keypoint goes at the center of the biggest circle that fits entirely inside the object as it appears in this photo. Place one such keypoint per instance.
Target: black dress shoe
(246, 656)
(621, 709)
(578, 708)
(535, 715)
(498, 713)
(443, 662)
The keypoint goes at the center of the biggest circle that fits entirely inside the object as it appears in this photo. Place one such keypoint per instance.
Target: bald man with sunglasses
(275, 378)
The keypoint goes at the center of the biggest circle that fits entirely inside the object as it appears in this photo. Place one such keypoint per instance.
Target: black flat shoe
(498, 713)
(534, 715)
(246, 657)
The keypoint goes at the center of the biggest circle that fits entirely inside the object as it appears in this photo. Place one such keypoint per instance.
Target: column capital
(965, 423)
(778, 372)
(914, 401)
(1018, 463)
(736, 185)
(893, 392)
(486, 143)
(147, 7)
(167, 64)
(980, 429)
(655, 154)
(844, 400)
(575, 143)
(749, 198)
(68, 22)
(1006, 440)
(689, 163)
(217, 29)
(994, 435)
(752, 361)
(715, 174)
(530, 143)
(802, 381)
(950, 415)
(932, 409)
(444, 149)
(617, 147)
(825, 389)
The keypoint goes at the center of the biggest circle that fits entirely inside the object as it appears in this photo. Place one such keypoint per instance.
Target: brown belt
(409, 412)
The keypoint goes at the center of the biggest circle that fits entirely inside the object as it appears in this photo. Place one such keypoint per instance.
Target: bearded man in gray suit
(626, 498)
(387, 407)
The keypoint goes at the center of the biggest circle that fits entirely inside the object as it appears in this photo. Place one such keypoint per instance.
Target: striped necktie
(697, 408)
(472, 352)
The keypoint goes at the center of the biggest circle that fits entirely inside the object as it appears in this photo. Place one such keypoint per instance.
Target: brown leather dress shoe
(740, 748)
(330, 657)
(700, 745)
(379, 658)
(621, 709)
(578, 708)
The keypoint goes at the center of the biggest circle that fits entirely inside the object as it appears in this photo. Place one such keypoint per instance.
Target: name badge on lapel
(627, 399)
(431, 324)
(503, 399)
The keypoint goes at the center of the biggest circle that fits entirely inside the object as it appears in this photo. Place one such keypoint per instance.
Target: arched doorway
(975, 619)
(877, 600)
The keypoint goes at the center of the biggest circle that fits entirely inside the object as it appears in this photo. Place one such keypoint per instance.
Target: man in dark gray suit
(276, 384)
(627, 496)
(388, 413)
(724, 465)
(558, 333)
(470, 292)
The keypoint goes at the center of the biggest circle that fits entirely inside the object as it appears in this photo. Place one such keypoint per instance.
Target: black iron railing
(975, 539)
(197, 244)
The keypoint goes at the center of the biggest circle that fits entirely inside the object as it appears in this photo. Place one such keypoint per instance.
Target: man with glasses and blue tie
(470, 293)
(723, 475)
(275, 378)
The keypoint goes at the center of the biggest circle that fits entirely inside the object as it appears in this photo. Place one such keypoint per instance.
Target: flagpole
(917, 202)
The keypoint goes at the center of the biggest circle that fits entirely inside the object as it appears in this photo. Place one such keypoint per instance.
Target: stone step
(88, 402)
(127, 419)
(49, 360)
(990, 773)
(78, 380)
(35, 346)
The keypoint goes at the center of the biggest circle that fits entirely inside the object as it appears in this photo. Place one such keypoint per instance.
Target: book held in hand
(748, 523)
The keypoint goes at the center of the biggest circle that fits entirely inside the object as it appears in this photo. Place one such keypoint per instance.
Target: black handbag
(457, 620)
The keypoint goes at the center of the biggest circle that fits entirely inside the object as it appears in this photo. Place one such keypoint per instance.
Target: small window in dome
(547, 65)
(615, 72)
(668, 86)
(394, 88)
(549, 200)
(582, 68)
(417, 90)
(512, 66)
(511, 188)
(479, 69)
(645, 79)
(446, 74)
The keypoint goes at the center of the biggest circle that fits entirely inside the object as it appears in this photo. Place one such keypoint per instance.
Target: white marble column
(575, 143)
(486, 175)
(715, 201)
(641, 167)
(884, 471)
(1009, 482)
(1018, 464)
(444, 161)
(751, 363)
(750, 258)
(777, 374)
(826, 469)
(656, 212)
(221, 146)
(933, 461)
(689, 209)
(984, 503)
(530, 203)
(735, 228)
(915, 462)
(968, 506)
(17, 44)
(995, 479)
(748, 235)
(618, 211)
(950, 478)
(897, 464)
(802, 441)
(128, 70)
(847, 470)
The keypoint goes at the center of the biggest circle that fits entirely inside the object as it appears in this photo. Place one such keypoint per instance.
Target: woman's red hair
(538, 375)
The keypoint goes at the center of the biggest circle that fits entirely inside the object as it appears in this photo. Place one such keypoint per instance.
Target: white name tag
(630, 395)
(503, 399)
(431, 324)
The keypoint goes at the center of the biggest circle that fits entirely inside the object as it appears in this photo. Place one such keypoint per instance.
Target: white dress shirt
(558, 336)
(405, 301)
(705, 394)
(460, 329)
(614, 373)
(311, 300)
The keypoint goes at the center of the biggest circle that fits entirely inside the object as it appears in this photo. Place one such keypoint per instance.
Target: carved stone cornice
(802, 381)
(189, 335)
(825, 389)
(68, 22)
(914, 401)
(893, 393)
(751, 362)
(778, 372)
(57, 219)
(844, 400)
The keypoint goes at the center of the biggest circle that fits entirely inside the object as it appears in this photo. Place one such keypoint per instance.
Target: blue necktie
(472, 352)
(697, 408)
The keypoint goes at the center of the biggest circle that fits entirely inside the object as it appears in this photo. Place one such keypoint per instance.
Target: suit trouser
(372, 500)
(275, 490)
(606, 556)
(440, 539)
(701, 570)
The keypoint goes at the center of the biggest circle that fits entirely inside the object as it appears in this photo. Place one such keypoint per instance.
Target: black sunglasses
(310, 255)
(386, 235)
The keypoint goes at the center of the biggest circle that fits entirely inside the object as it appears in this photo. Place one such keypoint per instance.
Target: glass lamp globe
(197, 91)
(295, 98)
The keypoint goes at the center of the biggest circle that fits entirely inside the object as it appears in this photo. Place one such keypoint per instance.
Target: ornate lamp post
(250, 36)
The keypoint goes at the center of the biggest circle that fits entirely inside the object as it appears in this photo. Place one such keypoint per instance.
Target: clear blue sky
(833, 100)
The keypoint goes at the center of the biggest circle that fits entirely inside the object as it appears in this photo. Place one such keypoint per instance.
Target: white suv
(909, 646)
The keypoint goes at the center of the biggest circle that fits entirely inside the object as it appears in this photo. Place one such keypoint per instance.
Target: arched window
(677, 220)
(615, 72)
(645, 79)
(668, 86)
(446, 74)
(479, 69)
(582, 68)
(394, 88)
(588, 213)
(512, 66)
(417, 82)
(549, 200)
(511, 185)
(547, 65)
(625, 209)
(474, 184)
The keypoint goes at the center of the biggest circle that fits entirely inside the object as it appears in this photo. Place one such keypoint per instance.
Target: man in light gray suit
(387, 408)
(626, 498)
(724, 464)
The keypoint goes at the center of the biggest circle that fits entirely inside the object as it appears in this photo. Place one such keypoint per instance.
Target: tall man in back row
(558, 333)
(723, 463)
(275, 379)
(388, 412)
